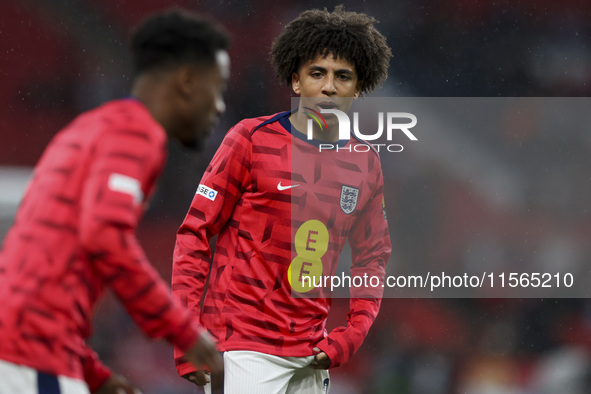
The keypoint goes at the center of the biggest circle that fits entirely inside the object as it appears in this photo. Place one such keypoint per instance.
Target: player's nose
(329, 87)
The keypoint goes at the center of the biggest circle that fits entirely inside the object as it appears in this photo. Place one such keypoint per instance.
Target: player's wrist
(184, 368)
(330, 352)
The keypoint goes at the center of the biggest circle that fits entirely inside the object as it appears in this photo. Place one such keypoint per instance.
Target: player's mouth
(327, 105)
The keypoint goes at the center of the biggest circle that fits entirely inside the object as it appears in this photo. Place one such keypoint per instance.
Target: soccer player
(282, 210)
(73, 235)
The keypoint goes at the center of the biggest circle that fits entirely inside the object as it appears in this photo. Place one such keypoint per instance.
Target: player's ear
(185, 79)
(295, 83)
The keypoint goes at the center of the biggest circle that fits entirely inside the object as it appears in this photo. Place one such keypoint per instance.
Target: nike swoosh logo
(281, 187)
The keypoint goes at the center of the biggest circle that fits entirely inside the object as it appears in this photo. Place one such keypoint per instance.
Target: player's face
(326, 82)
(206, 102)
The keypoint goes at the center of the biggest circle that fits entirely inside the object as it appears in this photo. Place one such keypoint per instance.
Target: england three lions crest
(349, 196)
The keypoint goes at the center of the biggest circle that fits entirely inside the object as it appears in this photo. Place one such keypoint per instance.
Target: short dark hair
(175, 37)
(349, 35)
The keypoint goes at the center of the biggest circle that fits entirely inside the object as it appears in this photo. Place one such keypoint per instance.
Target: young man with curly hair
(282, 212)
(74, 233)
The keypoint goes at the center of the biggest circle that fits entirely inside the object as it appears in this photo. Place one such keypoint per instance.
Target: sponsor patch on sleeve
(207, 192)
(126, 184)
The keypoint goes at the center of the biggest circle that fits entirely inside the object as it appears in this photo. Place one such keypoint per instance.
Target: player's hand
(117, 384)
(200, 378)
(205, 354)
(321, 360)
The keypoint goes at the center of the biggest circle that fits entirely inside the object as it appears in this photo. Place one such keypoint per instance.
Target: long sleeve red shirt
(280, 209)
(73, 237)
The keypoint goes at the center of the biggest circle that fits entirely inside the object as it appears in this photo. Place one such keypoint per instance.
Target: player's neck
(150, 90)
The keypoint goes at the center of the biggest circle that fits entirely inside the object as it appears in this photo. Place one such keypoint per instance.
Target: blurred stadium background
(60, 57)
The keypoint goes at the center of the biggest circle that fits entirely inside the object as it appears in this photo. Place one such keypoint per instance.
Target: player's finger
(201, 381)
(201, 378)
(188, 375)
(320, 361)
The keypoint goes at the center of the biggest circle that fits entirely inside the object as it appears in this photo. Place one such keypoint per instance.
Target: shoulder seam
(368, 144)
(273, 119)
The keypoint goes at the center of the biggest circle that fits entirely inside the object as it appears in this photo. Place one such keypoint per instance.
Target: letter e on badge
(207, 192)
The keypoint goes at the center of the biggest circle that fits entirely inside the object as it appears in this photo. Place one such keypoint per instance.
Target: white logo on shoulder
(281, 187)
(207, 192)
(126, 184)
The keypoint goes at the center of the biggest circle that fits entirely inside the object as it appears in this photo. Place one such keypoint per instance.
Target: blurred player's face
(326, 82)
(205, 103)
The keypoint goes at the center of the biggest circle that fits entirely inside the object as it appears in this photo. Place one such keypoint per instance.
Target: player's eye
(316, 74)
(344, 77)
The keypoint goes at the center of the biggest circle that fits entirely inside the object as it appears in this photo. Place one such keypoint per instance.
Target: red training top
(73, 236)
(282, 211)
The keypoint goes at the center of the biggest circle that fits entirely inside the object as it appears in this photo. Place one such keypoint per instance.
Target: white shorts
(18, 379)
(247, 372)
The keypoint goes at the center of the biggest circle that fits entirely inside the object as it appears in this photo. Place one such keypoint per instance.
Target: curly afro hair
(176, 37)
(349, 35)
